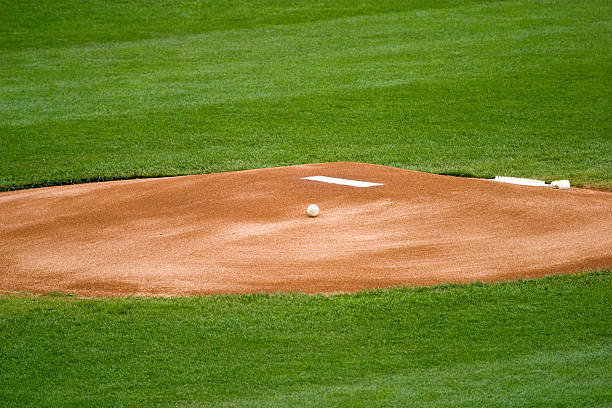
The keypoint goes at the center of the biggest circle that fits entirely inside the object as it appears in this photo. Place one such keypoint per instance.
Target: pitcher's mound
(248, 231)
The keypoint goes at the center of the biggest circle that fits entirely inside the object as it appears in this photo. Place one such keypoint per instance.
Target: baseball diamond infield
(248, 231)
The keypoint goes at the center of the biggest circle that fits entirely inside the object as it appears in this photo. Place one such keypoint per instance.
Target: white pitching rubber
(560, 184)
(343, 182)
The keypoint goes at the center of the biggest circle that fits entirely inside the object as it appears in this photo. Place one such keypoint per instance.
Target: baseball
(312, 210)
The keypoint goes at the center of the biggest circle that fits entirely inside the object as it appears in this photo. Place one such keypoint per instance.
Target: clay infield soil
(248, 231)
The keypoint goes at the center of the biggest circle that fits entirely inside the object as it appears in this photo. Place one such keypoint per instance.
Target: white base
(521, 181)
(560, 184)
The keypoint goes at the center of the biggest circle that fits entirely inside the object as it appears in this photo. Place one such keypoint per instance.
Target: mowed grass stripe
(516, 343)
(218, 138)
(298, 60)
(522, 83)
(531, 380)
(61, 23)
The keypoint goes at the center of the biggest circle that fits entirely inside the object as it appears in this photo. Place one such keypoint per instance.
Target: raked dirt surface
(248, 231)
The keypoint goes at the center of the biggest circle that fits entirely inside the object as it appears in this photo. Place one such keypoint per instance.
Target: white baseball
(312, 210)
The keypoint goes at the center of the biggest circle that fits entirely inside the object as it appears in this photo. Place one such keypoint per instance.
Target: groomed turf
(541, 342)
(97, 90)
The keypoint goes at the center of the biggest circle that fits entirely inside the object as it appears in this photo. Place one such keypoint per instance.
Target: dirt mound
(248, 231)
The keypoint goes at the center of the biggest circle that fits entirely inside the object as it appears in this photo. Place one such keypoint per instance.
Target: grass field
(529, 343)
(99, 90)
(95, 90)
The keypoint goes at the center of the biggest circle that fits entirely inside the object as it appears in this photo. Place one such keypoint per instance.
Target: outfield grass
(96, 90)
(541, 342)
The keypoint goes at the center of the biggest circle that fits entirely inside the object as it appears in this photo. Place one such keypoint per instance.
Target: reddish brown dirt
(248, 232)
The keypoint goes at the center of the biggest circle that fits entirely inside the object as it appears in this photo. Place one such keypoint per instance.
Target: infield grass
(99, 90)
(541, 342)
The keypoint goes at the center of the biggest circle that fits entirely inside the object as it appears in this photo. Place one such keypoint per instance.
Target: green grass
(96, 90)
(541, 342)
